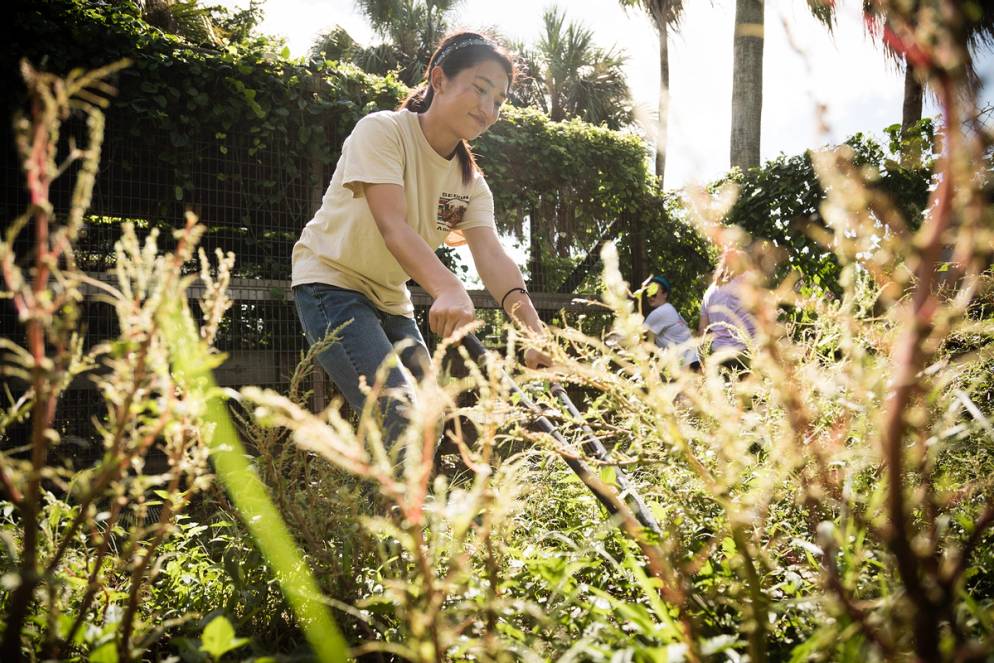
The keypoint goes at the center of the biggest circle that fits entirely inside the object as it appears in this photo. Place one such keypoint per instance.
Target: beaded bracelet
(504, 298)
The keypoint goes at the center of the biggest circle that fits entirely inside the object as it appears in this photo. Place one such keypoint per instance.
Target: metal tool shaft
(592, 445)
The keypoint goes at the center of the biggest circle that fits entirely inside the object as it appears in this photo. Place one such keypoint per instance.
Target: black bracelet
(504, 298)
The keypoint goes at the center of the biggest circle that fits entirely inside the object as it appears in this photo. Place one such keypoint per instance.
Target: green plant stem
(116, 463)
(93, 585)
(433, 595)
(857, 614)
(138, 573)
(191, 362)
(492, 570)
(671, 586)
(43, 411)
(980, 527)
(757, 598)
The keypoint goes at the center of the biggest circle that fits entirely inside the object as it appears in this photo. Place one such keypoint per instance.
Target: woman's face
(470, 101)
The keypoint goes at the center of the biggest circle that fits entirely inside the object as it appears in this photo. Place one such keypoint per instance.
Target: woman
(723, 315)
(405, 182)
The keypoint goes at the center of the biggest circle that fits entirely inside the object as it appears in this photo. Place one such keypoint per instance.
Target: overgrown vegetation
(112, 524)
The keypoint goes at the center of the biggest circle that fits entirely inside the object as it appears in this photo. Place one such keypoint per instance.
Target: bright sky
(845, 70)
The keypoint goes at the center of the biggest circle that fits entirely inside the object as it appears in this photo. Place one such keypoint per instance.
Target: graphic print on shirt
(451, 209)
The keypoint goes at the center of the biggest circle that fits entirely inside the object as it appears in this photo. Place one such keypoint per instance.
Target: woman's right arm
(452, 307)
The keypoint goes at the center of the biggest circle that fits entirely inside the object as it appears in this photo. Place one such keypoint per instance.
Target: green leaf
(609, 475)
(219, 638)
(105, 653)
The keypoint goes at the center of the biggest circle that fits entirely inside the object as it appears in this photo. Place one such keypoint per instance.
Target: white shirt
(670, 329)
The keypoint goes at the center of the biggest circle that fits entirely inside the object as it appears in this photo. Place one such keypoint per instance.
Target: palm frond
(570, 76)
(410, 29)
(663, 12)
(381, 13)
(824, 11)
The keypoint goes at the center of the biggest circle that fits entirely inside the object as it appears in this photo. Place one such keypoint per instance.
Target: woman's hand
(451, 310)
(537, 359)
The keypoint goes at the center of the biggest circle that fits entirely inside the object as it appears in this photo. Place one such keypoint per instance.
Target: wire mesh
(252, 201)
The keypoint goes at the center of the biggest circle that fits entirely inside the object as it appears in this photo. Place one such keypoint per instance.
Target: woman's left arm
(500, 274)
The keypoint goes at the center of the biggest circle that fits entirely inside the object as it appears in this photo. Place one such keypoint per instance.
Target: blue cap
(663, 281)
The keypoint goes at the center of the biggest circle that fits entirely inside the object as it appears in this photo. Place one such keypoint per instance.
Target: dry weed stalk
(435, 532)
(144, 408)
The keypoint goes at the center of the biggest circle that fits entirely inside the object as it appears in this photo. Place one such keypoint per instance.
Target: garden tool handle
(478, 353)
(592, 445)
(474, 347)
(595, 448)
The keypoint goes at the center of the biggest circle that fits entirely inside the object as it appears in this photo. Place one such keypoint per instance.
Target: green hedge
(782, 200)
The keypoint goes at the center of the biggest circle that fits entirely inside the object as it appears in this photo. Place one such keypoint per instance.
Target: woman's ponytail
(419, 100)
(467, 162)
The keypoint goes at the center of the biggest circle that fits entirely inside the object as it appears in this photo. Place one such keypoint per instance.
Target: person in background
(666, 325)
(724, 317)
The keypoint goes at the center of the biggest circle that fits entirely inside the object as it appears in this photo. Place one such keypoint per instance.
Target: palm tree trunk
(747, 83)
(911, 113)
(914, 92)
(662, 126)
(636, 223)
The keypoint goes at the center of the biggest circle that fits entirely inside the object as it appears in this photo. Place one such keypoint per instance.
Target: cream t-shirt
(341, 245)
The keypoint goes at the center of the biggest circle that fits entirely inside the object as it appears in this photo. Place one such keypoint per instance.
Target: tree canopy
(568, 75)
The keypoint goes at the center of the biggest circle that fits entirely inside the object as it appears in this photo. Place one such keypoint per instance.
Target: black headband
(451, 48)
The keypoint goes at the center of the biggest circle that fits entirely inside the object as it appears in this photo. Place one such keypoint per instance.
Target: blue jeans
(362, 346)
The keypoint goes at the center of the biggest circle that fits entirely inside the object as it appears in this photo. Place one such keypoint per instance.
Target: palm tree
(747, 84)
(747, 76)
(665, 14)
(411, 28)
(185, 18)
(567, 75)
(914, 88)
(978, 30)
